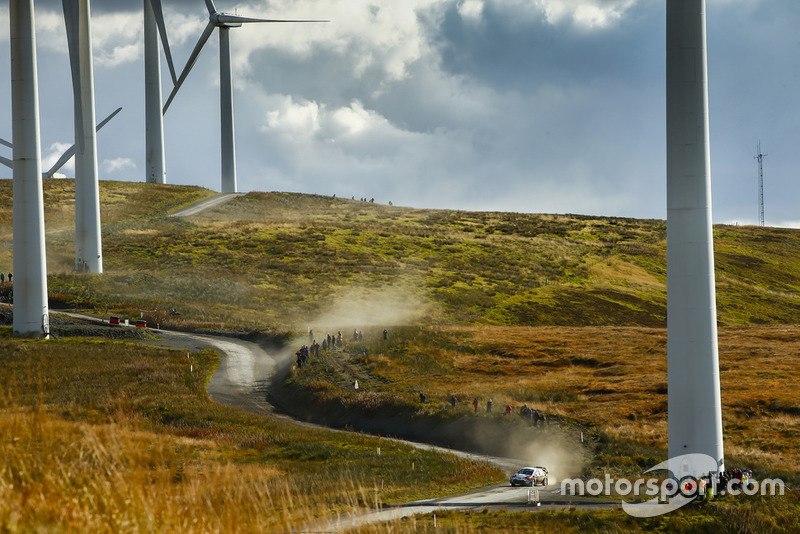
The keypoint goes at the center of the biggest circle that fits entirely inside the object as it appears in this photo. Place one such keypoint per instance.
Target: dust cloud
(357, 308)
(368, 310)
(557, 448)
(553, 446)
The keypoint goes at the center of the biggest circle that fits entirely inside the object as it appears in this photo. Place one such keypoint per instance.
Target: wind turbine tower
(154, 119)
(224, 22)
(694, 406)
(31, 317)
(88, 240)
(760, 158)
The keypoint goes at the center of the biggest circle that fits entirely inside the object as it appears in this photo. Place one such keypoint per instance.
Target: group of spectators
(337, 342)
(329, 343)
(721, 483)
(734, 479)
(536, 417)
(4, 277)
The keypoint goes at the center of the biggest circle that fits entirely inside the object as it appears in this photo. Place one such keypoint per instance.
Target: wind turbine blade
(189, 64)
(6, 143)
(71, 23)
(60, 163)
(105, 121)
(7, 162)
(211, 7)
(222, 18)
(71, 150)
(162, 31)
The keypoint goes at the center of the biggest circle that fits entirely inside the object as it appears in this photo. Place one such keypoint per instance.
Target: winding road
(242, 379)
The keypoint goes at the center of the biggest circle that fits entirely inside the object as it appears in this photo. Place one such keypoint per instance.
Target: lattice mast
(760, 158)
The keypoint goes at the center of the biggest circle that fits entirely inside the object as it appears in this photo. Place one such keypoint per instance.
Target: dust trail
(557, 448)
(367, 310)
(356, 308)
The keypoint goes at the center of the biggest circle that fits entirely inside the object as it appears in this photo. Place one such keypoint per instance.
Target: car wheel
(544, 483)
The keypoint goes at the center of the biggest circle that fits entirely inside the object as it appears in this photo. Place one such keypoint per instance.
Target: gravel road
(241, 382)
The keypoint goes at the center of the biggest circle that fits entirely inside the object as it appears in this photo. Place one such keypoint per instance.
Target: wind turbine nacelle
(228, 21)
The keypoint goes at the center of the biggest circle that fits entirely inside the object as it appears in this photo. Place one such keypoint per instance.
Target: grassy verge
(609, 383)
(114, 437)
(727, 515)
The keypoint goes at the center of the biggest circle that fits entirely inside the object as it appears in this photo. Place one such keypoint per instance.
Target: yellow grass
(615, 379)
(77, 477)
(615, 269)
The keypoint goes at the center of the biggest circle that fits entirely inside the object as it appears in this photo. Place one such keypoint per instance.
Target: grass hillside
(565, 313)
(291, 259)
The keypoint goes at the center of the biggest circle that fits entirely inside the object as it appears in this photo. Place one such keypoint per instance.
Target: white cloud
(50, 31)
(590, 15)
(583, 14)
(385, 37)
(350, 128)
(526, 105)
(294, 121)
(470, 9)
(117, 164)
(184, 26)
(51, 155)
(117, 38)
(355, 120)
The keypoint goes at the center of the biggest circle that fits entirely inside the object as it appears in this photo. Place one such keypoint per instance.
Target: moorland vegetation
(565, 313)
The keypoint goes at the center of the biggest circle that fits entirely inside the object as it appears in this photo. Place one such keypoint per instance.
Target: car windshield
(526, 471)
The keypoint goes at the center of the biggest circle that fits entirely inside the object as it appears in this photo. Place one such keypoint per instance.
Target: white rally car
(530, 476)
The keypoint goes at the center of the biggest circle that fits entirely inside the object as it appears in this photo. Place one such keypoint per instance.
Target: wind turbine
(31, 316)
(694, 406)
(68, 153)
(224, 22)
(88, 241)
(5, 161)
(155, 167)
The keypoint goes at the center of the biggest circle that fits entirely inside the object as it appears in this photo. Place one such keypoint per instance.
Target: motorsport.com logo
(691, 477)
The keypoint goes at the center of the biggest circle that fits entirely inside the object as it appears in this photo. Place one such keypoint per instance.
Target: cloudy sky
(544, 106)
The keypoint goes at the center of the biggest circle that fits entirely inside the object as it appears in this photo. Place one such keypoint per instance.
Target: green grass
(287, 259)
(470, 298)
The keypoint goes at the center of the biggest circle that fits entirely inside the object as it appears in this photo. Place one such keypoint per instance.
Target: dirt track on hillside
(250, 378)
